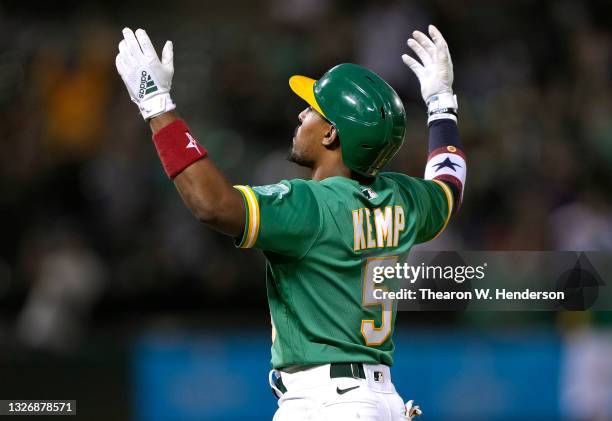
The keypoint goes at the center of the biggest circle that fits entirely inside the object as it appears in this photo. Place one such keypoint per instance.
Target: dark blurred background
(111, 293)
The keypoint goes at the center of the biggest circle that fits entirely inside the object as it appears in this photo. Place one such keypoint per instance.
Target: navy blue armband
(444, 133)
(446, 161)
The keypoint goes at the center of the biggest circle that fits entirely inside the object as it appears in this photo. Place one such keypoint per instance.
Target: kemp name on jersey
(387, 224)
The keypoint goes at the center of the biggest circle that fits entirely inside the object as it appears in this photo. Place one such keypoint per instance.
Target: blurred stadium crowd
(89, 221)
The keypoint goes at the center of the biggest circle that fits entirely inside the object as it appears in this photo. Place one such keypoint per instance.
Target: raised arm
(204, 190)
(446, 161)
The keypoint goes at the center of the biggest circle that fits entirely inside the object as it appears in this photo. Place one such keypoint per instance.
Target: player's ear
(330, 139)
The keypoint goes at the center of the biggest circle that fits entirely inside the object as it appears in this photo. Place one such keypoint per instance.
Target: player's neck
(330, 168)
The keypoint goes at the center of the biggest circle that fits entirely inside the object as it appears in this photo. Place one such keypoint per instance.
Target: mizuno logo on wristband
(192, 143)
(147, 85)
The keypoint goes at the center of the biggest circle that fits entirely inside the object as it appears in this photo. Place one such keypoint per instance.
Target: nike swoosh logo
(343, 391)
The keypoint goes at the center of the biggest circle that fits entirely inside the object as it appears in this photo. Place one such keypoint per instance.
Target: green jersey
(322, 241)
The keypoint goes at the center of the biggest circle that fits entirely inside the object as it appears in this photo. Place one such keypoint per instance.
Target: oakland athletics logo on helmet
(367, 113)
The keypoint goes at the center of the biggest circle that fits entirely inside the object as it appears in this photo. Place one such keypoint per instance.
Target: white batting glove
(435, 73)
(412, 410)
(147, 79)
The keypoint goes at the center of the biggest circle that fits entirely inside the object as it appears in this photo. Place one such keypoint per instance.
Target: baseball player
(332, 343)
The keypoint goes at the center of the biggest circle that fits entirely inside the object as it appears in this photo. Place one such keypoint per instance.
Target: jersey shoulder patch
(278, 189)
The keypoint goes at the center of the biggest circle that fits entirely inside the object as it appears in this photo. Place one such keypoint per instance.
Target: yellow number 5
(375, 336)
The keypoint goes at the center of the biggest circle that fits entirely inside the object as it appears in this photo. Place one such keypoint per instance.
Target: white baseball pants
(312, 395)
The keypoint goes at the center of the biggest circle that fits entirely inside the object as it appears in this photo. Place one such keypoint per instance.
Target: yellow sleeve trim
(449, 199)
(252, 224)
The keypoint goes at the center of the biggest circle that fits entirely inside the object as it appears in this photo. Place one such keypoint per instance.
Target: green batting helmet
(367, 113)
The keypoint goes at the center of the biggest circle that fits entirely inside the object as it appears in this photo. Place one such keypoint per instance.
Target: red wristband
(177, 148)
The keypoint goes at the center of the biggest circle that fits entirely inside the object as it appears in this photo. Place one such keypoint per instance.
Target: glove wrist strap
(156, 105)
(443, 100)
(442, 106)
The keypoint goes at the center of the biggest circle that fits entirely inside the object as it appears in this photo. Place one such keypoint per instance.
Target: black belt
(354, 370)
